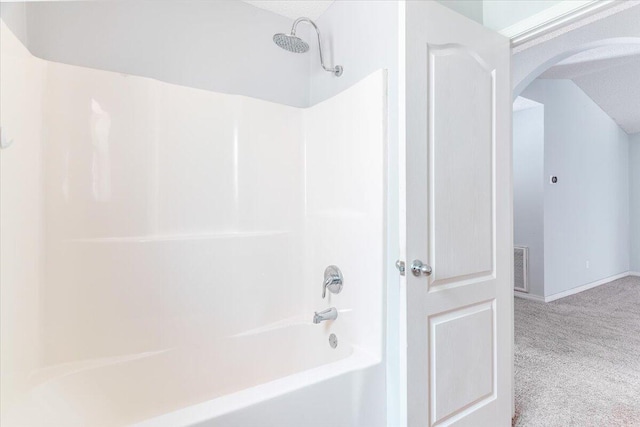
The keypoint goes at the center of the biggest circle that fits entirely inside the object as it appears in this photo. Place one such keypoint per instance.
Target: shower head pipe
(337, 70)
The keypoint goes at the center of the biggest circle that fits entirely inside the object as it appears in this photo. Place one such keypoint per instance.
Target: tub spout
(328, 314)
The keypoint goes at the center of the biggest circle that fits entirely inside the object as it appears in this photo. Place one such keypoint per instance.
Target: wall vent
(521, 268)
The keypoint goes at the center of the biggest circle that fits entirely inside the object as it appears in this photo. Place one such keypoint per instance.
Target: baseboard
(586, 287)
(530, 297)
(574, 291)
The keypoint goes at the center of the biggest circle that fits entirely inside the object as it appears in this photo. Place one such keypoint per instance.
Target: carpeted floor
(577, 359)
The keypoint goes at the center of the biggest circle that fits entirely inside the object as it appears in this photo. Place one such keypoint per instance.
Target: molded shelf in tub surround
(182, 237)
(338, 213)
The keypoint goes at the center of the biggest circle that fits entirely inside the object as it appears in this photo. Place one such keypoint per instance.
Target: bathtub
(212, 384)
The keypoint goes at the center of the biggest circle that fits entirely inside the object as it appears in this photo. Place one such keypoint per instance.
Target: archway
(550, 62)
(571, 165)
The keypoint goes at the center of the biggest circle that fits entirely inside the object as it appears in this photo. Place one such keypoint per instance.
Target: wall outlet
(587, 264)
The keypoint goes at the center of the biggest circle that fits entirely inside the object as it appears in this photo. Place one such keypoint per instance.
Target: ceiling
(610, 75)
(293, 8)
(522, 103)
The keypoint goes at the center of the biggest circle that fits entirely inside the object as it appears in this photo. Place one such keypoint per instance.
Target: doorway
(575, 131)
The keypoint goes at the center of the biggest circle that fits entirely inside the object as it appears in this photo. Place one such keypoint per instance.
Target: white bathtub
(329, 394)
(207, 384)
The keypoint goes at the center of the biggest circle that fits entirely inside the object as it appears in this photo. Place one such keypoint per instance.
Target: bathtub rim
(360, 359)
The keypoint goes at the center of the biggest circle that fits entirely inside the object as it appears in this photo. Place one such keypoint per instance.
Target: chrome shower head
(295, 44)
(291, 42)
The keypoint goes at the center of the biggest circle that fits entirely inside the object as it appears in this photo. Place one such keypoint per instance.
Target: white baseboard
(586, 287)
(576, 290)
(531, 297)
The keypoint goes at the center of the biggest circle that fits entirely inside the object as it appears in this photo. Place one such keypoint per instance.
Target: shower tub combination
(164, 255)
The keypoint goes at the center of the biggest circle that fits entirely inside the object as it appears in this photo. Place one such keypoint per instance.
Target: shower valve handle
(332, 280)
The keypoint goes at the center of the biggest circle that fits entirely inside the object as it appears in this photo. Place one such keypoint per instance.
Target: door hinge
(401, 267)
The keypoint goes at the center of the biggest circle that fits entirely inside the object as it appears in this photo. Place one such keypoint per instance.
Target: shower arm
(337, 70)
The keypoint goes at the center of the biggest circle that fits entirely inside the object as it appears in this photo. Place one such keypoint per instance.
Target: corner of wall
(634, 201)
(471, 9)
(14, 15)
(528, 169)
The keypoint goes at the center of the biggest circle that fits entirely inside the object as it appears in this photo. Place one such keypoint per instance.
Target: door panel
(463, 359)
(461, 178)
(458, 218)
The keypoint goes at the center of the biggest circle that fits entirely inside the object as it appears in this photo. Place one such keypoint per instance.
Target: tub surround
(153, 200)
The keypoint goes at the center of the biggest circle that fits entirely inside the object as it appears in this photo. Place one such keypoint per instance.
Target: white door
(458, 220)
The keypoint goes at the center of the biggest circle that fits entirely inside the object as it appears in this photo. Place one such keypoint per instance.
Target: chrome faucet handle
(333, 280)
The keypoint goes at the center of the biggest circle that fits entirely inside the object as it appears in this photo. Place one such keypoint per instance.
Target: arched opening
(574, 195)
(556, 59)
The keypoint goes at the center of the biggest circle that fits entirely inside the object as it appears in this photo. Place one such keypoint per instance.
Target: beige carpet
(577, 359)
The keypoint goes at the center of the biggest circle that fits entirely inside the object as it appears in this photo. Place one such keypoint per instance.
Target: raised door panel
(462, 361)
(461, 151)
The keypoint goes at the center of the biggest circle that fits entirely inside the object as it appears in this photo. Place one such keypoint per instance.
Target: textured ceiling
(611, 77)
(594, 60)
(293, 8)
(524, 104)
(617, 91)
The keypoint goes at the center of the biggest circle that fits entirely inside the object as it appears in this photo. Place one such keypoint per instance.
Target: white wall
(14, 16)
(528, 190)
(500, 14)
(634, 199)
(587, 211)
(224, 46)
(472, 9)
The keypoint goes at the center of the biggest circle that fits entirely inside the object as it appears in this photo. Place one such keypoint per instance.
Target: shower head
(295, 44)
(291, 42)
